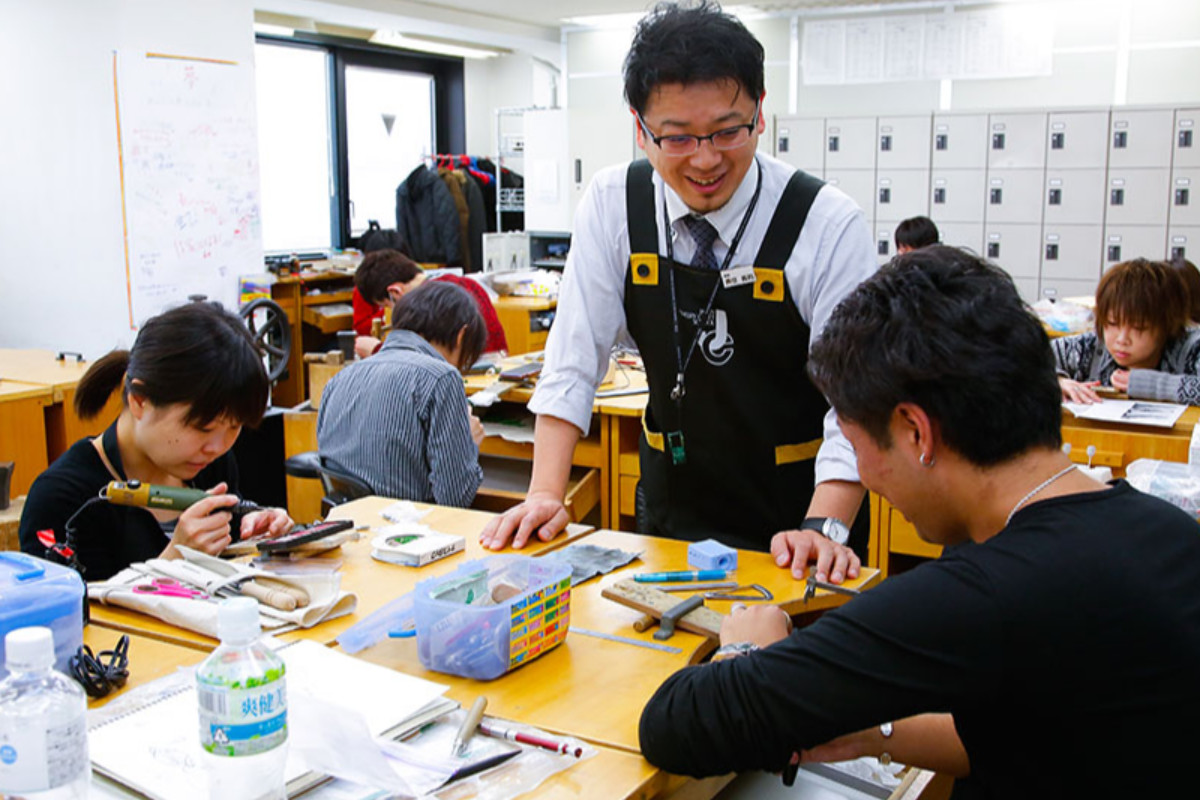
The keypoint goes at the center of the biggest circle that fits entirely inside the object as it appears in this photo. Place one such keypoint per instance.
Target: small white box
(505, 252)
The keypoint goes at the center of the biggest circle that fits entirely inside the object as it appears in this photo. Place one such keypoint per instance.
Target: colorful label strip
(539, 622)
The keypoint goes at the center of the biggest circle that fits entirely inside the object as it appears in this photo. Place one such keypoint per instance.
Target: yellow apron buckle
(643, 267)
(768, 284)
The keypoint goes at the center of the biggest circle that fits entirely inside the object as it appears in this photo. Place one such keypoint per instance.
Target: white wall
(63, 279)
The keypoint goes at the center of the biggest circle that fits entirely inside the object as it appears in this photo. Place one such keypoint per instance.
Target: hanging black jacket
(427, 218)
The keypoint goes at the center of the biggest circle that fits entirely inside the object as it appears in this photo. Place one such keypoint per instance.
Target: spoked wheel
(269, 326)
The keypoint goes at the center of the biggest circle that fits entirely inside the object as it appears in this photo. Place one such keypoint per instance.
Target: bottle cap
(237, 620)
(29, 649)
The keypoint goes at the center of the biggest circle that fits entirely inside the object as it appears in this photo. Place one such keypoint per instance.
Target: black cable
(101, 674)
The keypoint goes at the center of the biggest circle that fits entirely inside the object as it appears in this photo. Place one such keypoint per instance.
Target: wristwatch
(733, 650)
(831, 528)
(885, 730)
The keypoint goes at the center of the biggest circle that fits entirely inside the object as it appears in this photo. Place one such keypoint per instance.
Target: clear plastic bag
(1178, 484)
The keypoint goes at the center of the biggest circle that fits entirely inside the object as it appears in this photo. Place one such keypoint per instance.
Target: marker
(469, 724)
(553, 745)
(685, 575)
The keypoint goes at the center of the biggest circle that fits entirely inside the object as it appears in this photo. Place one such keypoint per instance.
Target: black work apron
(751, 420)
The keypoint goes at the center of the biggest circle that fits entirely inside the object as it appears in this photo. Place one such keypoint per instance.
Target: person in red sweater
(384, 276)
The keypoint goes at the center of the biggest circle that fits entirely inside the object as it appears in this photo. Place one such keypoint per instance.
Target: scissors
(169, 587)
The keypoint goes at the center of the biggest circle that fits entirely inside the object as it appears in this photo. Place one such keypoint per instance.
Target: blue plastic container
(36, 592)
(492, 614)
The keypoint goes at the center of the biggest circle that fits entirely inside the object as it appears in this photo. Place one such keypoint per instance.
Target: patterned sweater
(1177, 379)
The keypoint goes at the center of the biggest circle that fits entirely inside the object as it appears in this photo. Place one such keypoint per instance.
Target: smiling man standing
(723, 265)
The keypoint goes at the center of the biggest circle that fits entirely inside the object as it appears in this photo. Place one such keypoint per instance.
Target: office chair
(340, 487)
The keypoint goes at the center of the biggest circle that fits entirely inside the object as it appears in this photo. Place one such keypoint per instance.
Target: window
(341, 123)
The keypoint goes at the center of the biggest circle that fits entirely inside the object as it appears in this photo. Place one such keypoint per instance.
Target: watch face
(836, 531)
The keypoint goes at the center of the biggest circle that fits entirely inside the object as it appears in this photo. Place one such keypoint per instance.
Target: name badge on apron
(737, 276)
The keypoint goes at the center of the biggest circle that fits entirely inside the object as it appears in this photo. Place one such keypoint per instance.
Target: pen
(469, 724)
(553, 745)
(685, 575)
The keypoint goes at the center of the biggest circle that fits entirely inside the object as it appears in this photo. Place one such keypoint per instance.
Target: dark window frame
(450, 125)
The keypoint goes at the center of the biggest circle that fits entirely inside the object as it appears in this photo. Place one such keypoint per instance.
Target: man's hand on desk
(795, 549)
(365, 346)
(541, 513)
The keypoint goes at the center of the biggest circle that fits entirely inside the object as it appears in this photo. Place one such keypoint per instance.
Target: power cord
(99, 675)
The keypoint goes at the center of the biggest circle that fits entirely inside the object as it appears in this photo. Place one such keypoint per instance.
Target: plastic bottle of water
(243, 709)
(43, 723)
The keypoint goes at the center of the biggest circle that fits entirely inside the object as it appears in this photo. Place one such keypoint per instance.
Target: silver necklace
(1035, 490)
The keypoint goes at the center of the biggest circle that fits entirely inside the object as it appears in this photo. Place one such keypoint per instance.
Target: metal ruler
(612, 637)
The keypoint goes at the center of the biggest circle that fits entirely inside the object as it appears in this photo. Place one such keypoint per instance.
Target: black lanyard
(674, 439)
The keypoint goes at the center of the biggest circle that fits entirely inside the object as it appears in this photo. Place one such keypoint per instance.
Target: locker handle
(1117, 197)
(1120, 139)
(885, 195)
(1052, 252)
(996, 197)
(939, 195)
(833, 144)
(885, 143)
(1058, 141)
(997, 141)
(1181, 197)
(1055, 198)
(1114, 252)
(1185, 138)
(941, 142)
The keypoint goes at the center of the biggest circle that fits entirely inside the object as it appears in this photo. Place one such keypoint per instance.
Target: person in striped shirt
(399, 421)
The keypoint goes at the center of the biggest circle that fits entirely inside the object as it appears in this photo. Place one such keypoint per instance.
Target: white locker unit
(1140, 138)
(901, 193)
(800, 141)
(1062, 288)
(957, 195)
(968, 235)
(1013, 195)
(1185, 196)
(1015, 248)
(1074, 197)
(849, 143)
(1138, 196)
(1077, 140)
(1017, 140)
(1072, 251)
(903, 143)
(1127, 242)
(959, 141)
(859, 184)
(1184, 242)
(1187, 138)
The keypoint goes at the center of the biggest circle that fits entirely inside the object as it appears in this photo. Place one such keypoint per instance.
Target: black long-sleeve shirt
(1067, 649)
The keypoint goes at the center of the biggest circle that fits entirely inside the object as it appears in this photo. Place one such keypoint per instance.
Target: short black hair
(942, 328)
(690, 43)
(437, 311)
(379, 270)
(197, 354)
(916, 232)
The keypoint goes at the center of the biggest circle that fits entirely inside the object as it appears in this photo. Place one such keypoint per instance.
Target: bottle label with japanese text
(243, 722)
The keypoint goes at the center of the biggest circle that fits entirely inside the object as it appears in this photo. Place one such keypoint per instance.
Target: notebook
(155, 749)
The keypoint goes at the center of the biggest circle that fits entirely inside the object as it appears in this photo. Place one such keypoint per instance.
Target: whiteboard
(189, 176)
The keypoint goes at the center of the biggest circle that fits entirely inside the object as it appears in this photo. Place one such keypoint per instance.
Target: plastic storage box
(37, 592)
(492, 615)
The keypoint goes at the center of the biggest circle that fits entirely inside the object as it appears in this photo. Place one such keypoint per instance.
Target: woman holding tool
(1061, 637)
(193, 378)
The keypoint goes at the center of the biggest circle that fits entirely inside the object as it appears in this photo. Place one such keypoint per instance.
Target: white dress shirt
(832, 256)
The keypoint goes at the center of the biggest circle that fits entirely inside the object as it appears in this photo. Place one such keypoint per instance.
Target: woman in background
(1143, 344)
(192, 380)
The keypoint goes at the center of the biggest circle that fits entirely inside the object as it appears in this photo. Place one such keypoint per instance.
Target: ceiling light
(429, 44)
(273, 30)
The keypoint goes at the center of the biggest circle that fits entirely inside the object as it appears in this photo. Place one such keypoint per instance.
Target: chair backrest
(339, 486)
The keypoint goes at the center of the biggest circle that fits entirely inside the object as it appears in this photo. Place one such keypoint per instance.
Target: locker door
(1187, 138)
(1074, 196)
(1027, 286)
(1065, 288)
(968, 235)
(1072, 251)
(800, 141)
(1016, 248)
(859, 184)
(957, 195)
(901, 194)
(1126, 242)
(1184, 242)
(903, 143)
(849, 143)
(1013, 195)
(1140, 139)
(1138, 197)
(1016, 140)
(959, 141)
(1077, 139)
(1185, 197)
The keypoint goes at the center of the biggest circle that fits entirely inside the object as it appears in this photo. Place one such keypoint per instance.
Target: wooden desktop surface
(374, 582)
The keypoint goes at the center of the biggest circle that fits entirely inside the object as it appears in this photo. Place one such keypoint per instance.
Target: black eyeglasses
(99, 675)
(684, 144)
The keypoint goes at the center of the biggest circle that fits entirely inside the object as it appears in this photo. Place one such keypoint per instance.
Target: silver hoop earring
(926, 460)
